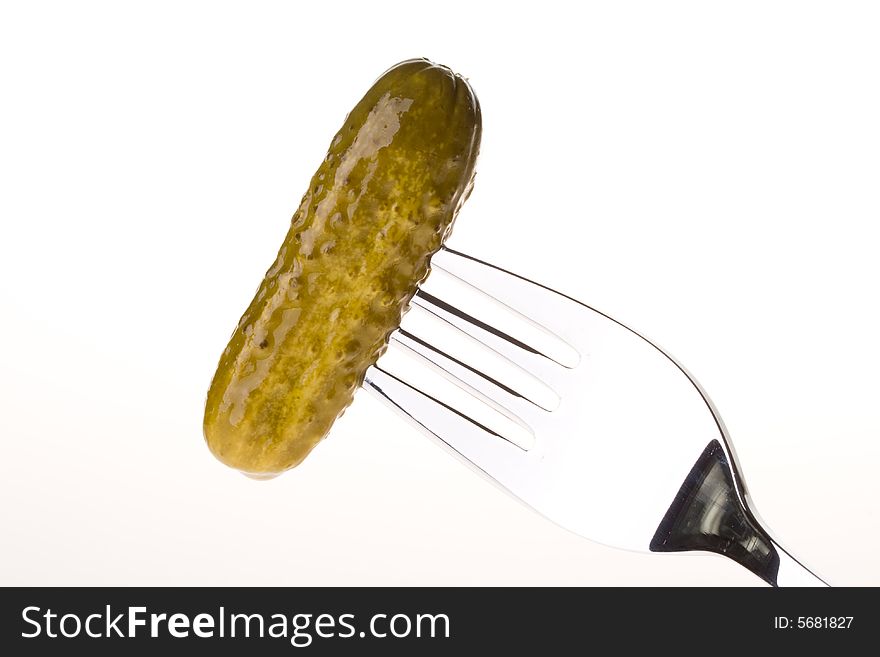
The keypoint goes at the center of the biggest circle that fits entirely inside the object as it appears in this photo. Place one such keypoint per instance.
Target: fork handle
(792, 572)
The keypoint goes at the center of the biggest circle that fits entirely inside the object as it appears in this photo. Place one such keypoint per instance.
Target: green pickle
(379, 206)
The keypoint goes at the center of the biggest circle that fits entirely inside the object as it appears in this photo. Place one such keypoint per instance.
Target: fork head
(578, 416)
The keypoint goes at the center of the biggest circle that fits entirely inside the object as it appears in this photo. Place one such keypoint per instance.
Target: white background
(705, 172)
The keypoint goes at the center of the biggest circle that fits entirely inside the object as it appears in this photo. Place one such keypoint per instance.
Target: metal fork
(580, 417)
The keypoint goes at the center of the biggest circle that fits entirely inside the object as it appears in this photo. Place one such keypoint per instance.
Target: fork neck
(709, 514)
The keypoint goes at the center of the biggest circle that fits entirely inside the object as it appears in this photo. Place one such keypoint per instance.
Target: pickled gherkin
(381, 203)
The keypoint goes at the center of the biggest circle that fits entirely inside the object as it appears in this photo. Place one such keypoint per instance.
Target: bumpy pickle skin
(379, 206)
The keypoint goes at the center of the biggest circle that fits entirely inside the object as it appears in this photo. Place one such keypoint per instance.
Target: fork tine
(515, 337)
(470, 428)
(553, 310)
(476, 364)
